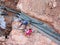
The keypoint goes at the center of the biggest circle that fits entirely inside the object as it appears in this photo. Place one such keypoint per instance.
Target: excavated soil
(44, 10)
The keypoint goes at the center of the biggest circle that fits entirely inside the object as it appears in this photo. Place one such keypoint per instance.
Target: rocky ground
(18, 37)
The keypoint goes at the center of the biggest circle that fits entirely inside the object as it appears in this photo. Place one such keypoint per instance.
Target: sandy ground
(18, 37)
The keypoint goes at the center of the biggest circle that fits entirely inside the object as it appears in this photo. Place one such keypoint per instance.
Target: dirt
(44, 10)
(18, 37)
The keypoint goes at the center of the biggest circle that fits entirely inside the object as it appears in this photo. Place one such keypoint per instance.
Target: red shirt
(28, 32)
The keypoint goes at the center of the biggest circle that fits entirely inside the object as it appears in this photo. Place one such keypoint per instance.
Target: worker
(28, 32)
(24, 23)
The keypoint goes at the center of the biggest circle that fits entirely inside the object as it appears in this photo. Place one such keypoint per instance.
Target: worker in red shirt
(28, 32)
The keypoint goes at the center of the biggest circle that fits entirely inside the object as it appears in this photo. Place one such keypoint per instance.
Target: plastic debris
(2, 22)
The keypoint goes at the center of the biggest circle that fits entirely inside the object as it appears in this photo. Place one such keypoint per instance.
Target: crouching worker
(24, 25)
(28, 32)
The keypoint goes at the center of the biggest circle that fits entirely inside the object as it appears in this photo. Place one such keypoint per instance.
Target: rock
(34, 8)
